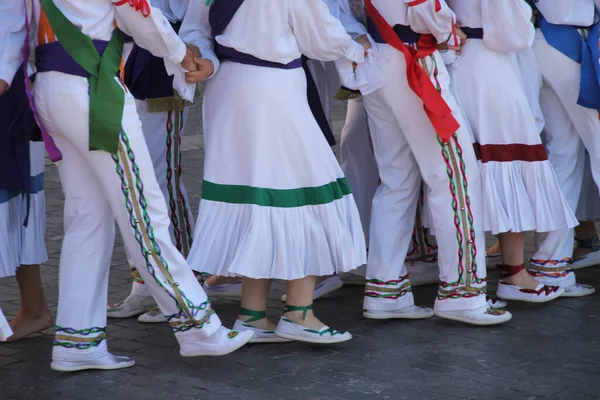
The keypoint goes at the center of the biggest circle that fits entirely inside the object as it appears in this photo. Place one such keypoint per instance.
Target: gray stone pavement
(546, 352)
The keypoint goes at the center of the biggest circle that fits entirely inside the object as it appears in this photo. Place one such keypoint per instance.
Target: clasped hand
(462, 38)
(199, 69)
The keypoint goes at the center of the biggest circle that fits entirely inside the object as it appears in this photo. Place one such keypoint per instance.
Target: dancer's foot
(107, 362)
(220, 343)
(493, 251)
(25, 325)
(485, 315)
(300, 323)
(152, 316)
(131, 306)
(232, 289)
(257, 322)
(410, 312)
(495, 302)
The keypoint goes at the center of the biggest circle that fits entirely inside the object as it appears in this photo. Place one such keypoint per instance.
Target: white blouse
(96, 19)
(568, 12)
(424, 18)
(278, 31)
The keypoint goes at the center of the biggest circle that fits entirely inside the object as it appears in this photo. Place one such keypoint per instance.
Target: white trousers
(162, 133)
(407, 149)
(358, 161)
(569, 130)
(100, 188)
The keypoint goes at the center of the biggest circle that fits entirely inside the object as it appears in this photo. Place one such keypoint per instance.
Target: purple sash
(18, 127)
(53, 57)
(146, 76)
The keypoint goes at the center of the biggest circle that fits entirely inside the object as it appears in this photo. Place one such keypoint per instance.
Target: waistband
(229, 54)
(53, 57)
(472, 33)
(404, 32)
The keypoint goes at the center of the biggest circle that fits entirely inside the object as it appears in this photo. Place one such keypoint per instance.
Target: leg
(34, 315)
(515, 283)
(358, 161)
(551, 263)
(299, 321)
(455, 193)
(162, 133)
(253, 312)
(123, 185)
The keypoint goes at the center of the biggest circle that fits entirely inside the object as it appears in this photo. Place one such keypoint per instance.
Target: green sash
(107, 98)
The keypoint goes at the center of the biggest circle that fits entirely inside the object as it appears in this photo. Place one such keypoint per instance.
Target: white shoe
(293, 331)
(5, 329)
(131, 306)
(480, 316)
(329, 285)
(589, 260)
(410, 312)
(107, 362)
(152, 316)
(260, 335)
(541, 294)
(229, 290)
(495, 302)
(578, 290)
(220, 343)
(423, 273)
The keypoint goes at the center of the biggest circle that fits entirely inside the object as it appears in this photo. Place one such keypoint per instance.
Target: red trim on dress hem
(510, 152)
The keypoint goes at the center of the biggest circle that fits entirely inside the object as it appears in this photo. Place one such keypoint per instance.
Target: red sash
(434, 105)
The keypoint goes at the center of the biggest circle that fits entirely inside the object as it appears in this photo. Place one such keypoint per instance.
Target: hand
(364, 41)
(450, 44)
(3, 86)
(204, 69)
(191, 53)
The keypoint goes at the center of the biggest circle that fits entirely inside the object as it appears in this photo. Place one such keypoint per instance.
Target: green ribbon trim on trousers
(107, 97)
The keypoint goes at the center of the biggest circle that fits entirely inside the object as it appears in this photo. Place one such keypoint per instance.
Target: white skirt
(275, 203)
(20, 245)
(520, 188)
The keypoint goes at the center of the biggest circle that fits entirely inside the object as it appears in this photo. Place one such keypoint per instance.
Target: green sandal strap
(256, 315)
(305, 309)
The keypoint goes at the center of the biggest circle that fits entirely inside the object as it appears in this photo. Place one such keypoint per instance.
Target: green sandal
(293, 331)
(260, 335)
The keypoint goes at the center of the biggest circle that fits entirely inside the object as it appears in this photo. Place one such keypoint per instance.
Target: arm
(12, 34)
(320, 36)
(341, 10)
(195, 29)
(431, 17)
(149, 29)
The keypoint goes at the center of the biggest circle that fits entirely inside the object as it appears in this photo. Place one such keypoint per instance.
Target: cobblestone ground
(545, 352)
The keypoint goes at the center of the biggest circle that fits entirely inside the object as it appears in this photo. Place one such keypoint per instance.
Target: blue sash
(569, 42)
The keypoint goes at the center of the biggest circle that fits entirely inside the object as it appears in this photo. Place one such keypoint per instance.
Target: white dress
(275, 203)
(520, 188)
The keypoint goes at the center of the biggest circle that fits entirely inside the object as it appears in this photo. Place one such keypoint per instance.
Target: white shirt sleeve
(152, 32)
(342, 11)
(12, 36)
(431, 17)
(195, 29)
(319, 34)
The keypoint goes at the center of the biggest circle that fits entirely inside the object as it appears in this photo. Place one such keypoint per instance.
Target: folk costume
(22, 199)
(275, 203)
(106, 173)
(566, 48)
(163, 115)
(413, 114)
(520, 189)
